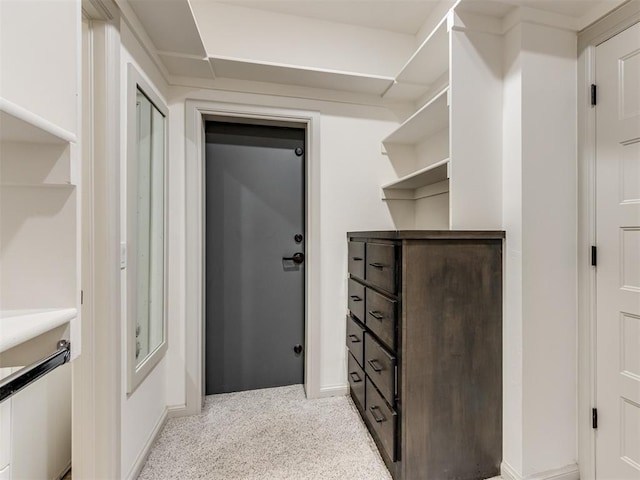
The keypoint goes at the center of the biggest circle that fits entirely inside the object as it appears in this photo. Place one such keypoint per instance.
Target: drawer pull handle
(375, 365)
(378, 419)
(357, 259)
(379, 266)
(356, 298)
(376, 314)
(354, 338)
(355, 377)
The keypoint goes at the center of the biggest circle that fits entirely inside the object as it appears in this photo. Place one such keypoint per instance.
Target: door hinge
(594, 418)
(594, 94)
(594, 256)
(81, 297)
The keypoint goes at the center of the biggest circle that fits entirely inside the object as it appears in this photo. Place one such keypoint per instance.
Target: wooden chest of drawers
(424, 333)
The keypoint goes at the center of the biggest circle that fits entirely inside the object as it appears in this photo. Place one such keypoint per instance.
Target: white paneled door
(618, 270)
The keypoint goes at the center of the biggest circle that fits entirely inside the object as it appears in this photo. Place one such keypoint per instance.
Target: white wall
(540, 216)
(351, 169)
(145, 408)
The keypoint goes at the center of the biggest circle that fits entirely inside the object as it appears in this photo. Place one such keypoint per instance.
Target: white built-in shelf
(425, 176)
(422, 183)
(431, 118)
(243, 69)
(18, 124)
(429, 63)
(20, 326)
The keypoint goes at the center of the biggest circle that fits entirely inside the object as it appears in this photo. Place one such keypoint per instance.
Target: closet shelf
(38, 185)
(17, 124)
(431, 118)
(429, 62)
(426, 182)
(256, 71)
(20, 326)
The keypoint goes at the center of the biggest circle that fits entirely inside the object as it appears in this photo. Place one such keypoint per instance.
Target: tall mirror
(146, 227)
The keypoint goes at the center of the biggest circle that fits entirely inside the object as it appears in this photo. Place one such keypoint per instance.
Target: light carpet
(270, 434)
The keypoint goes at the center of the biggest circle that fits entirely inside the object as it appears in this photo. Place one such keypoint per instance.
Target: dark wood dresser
(424, 333)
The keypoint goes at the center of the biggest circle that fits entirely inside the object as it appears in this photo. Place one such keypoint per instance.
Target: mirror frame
(137, 373)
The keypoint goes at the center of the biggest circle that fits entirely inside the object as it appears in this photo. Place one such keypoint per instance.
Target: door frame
(96, 419)
(588, 39)
(197, 112)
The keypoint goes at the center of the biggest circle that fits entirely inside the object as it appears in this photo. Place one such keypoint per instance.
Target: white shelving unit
(39, 249)
(431, 118)
(19, 327)
(23, 126)
(415, 185)
(243, 69)
(39, 227)
(460, 122)
(429, 63)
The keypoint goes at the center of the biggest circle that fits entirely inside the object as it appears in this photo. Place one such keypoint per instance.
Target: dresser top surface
(429, 234)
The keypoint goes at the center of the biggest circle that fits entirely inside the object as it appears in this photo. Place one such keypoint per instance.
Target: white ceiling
(401, 16)
(570, 8)
(405, 16)
(172, 28)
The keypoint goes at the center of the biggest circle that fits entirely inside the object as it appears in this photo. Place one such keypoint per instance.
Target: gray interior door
(255, 204)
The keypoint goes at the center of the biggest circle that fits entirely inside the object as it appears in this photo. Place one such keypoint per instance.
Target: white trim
(97, 373)
(570, 472)
(141, 459)
(586, 273)
(614, 23)
(195, 110)
(136, 373)
(138, 31)
(334, 391)
(174, 411)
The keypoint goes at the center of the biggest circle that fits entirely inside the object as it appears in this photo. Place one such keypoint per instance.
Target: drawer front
(382, 317)
(356, 299)
(356, 259)
(355, 339)
(383, 419)
(356, 382)
(380, 366)
(381, 266)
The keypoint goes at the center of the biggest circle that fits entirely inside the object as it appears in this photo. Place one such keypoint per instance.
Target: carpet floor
(270, 434)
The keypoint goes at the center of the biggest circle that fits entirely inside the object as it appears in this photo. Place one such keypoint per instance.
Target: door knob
(297, 258)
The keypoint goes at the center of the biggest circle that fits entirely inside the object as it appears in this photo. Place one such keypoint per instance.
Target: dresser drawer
(355, 339)
(383, 419)
(356, 259)
(381, 266)
(356, 299)
(380, 366)
(381, 317)
(355, 376)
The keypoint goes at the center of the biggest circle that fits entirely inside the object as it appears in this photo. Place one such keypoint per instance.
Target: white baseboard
(174, 411)
(146, 449)
(570, 472)
(334, 391)
(64, 472)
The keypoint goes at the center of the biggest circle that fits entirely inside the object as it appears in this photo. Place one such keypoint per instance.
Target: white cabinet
(39, 227)
(447, 155)
(41, 427)
(39, 176)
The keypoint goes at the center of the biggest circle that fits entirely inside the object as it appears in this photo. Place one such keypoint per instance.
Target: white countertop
(19, 326)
